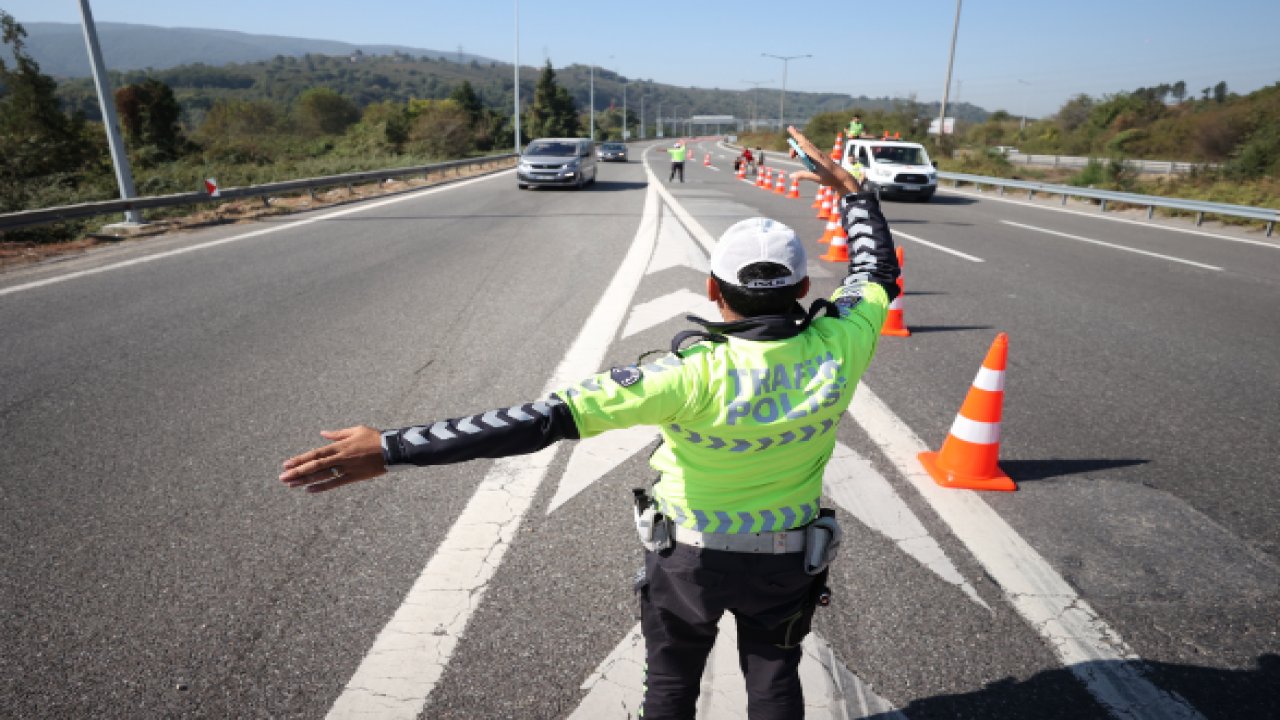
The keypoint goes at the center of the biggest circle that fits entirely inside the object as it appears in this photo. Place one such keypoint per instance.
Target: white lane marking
(1098, 216)
(936, 246)
(1113, 246)
(595, 457)
(831, 691)
(1084, 643)
(256, 233)
(694, 227)
(676, 247)
(410, 654)
(853, 483)
(659, 310)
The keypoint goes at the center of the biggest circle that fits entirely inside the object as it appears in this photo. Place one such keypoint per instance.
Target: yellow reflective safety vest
(747, 426)
(678, 154)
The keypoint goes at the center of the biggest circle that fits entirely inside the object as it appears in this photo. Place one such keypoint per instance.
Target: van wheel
(522, 186)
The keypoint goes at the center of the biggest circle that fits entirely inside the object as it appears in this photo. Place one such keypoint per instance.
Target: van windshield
(899, 155)
(539, 147)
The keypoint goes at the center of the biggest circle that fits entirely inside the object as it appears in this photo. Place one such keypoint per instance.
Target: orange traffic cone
(893, 324)
(830, 231)
(827, 211)
(794, 192)
(780, 185)
(706, 160)
(837, 150)
(742, 171)
(969, 454)
(817, 197)
(762, 180)
(839, 250)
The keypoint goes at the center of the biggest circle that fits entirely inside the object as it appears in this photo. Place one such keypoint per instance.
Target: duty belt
(775, 543)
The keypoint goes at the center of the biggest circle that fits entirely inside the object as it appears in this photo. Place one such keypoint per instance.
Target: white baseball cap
(758, 240)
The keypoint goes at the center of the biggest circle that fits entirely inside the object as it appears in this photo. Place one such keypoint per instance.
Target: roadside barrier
(970, 453)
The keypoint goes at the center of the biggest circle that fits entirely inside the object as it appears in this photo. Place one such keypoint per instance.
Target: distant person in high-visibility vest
(678, 153)
(856, 127)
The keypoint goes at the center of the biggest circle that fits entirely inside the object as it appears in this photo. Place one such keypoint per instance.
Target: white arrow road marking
(831, 691)
(676, 247)
(1084, 643)
(410, 654)
(659, 310)
(852, 482)
(595, 457)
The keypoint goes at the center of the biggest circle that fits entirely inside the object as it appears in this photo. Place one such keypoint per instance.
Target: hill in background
(204, 65)
(60, 48)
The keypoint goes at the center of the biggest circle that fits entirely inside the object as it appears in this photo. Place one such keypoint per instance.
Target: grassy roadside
(89, 232)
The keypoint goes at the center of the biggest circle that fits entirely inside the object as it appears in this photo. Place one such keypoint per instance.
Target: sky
(1025, 57)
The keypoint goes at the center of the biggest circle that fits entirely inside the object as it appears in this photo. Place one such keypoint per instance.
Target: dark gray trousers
(684, 594)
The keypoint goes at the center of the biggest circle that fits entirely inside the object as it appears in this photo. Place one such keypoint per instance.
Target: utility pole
(946, 90)
(755, 106)
(782, 99)
(106, 98)
(517, 70)
(593, 102)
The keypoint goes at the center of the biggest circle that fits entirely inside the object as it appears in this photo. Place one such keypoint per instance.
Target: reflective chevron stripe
(742, 522)
(802, 434)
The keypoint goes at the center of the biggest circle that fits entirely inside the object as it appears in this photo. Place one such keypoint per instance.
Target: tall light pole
(593, 102)
(1023, 126)
(642, 116)
(754, 105)
(946, 89)
(517, 108)
(782, 99)
(659, 123)
(626, 132)
(119, 156)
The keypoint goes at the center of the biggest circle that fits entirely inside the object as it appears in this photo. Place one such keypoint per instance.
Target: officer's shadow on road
(1055, 694)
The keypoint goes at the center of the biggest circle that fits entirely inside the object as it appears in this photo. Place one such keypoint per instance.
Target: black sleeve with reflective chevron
(871, 255)
(515, 430)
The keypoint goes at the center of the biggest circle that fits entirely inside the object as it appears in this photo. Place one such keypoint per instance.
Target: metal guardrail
(1161, 167)
(45, 216)
(1151, 202)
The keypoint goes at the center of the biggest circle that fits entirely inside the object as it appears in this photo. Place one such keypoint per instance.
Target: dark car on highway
(608, 152)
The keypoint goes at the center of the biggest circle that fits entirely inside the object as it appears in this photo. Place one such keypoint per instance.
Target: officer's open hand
(829, 172)
(354, 454)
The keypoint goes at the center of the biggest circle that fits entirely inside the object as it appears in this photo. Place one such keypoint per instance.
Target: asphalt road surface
(154, 567)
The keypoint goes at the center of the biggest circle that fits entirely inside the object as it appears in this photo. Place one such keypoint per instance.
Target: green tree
(36, 138)
(440, 129)
(552, 112)
(1220, 92)
(150, 115)
(466, 97)
(321, 111)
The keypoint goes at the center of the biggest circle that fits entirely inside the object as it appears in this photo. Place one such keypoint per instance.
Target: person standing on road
(856, 127)
(678, 154)
(747, 417)
(759, 156)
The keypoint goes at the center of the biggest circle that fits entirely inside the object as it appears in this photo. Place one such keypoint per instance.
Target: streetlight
(946, 90)
(754, 105)
(1023, 126)
(782, 100)
(593, 102)
(517, 70)
(106, 99)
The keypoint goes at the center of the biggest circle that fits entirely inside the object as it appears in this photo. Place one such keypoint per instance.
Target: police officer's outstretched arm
(363, 453)
(872, 260)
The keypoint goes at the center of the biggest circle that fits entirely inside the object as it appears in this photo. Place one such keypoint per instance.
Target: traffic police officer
(747, 417)
(856, 127)
(678, 154)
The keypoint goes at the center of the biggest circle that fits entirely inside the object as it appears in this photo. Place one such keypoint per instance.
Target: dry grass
(17, 254)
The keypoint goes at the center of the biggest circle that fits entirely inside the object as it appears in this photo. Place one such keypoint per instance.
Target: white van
(895, 167)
